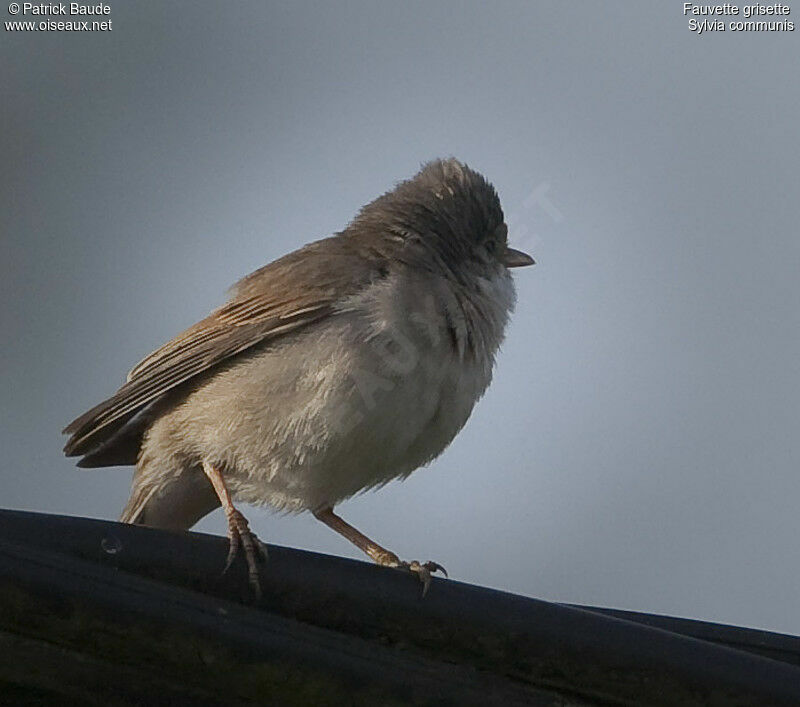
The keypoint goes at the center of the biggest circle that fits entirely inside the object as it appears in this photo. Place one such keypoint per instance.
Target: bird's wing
(292, 292)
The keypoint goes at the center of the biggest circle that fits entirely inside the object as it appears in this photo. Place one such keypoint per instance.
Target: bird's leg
(239, 533)
(380, 555)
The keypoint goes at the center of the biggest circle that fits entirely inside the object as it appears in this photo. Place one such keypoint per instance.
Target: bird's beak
(517, 259)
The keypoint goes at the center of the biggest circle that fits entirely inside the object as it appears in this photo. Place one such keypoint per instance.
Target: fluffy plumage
(337, 368)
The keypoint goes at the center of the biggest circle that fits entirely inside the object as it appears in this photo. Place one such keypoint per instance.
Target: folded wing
(284, 296)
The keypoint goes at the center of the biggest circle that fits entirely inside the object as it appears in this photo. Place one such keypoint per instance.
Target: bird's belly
(311, 423)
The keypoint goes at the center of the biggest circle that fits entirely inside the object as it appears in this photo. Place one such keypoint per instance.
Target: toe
(262, 549)
(424, 575)
(252, 576)
(233, 549)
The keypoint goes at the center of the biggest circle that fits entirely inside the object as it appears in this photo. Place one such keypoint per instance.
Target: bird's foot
(241, 537)
(379, 555)
(422, 570)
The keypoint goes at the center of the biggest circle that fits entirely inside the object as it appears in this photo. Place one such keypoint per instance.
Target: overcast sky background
(640, 445)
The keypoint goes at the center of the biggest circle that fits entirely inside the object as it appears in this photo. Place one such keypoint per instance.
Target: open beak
(517, 259)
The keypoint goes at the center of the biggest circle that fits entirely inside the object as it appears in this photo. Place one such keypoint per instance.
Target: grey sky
(639, 447)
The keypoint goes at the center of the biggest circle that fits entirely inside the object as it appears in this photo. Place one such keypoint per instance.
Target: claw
(435, 566)
(423, 572)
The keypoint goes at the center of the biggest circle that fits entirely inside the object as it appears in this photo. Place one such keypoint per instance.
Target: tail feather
(134, 509)
(175, 505)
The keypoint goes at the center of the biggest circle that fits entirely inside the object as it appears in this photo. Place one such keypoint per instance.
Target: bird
(344, 365)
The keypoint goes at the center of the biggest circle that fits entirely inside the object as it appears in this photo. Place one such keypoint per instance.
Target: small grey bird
(337, 368)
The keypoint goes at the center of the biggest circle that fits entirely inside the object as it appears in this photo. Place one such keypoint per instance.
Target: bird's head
(446, 217)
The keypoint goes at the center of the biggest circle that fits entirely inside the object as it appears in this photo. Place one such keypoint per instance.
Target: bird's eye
(491, 245)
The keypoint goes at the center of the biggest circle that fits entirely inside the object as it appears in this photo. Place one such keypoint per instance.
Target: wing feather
(280, 298)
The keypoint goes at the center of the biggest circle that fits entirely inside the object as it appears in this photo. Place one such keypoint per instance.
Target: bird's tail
(176, 504)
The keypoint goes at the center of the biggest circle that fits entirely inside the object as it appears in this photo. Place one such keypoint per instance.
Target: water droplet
(111, 545)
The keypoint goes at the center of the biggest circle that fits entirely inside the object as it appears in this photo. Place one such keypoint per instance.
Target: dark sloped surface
(777, 646)
(98, 612)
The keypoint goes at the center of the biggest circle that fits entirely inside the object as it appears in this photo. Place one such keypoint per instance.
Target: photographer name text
(60, 8)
